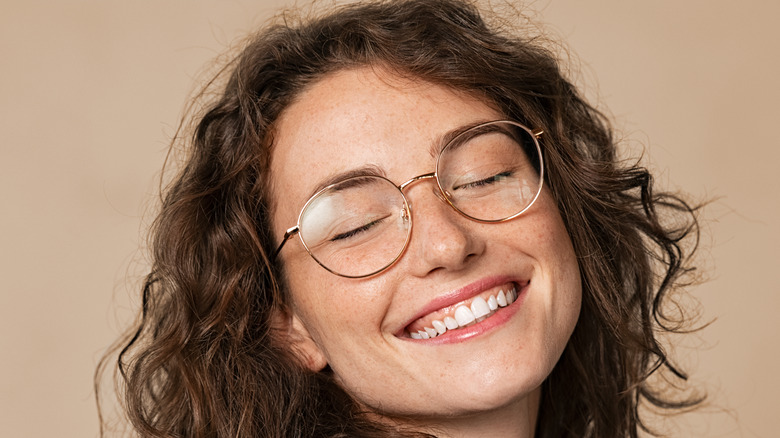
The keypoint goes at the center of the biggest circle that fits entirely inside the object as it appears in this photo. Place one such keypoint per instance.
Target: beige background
(91, 91)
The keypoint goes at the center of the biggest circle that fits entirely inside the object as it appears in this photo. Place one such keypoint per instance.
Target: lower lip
(496, 320)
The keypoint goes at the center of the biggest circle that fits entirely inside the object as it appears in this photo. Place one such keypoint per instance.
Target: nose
(441, 238)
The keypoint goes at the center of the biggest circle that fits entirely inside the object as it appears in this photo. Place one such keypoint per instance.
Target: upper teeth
(467, 315)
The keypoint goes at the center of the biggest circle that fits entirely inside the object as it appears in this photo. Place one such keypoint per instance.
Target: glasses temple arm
(287, 235)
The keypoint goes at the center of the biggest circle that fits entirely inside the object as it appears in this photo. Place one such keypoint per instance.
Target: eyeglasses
(360, 226)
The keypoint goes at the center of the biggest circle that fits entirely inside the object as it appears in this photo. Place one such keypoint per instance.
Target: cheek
(568, 287)
(332, 307)
(547, 239)
(564, 266)
(312, 296)
(559, 268)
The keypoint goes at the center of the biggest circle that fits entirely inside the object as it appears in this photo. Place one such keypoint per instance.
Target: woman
(397, 221)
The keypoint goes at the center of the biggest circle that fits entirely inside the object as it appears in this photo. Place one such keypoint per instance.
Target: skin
(486, 385)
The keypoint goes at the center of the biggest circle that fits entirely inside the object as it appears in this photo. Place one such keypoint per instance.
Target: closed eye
(359, 230)
(484, 182)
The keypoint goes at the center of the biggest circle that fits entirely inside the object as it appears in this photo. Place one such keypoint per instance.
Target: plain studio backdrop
(92, 91)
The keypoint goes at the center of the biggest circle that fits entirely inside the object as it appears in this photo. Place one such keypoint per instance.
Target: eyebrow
(373, 170)
(444, 139)
(367, 170)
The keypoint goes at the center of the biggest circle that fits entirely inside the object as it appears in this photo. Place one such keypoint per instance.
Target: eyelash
(483, 182)
(356, 231)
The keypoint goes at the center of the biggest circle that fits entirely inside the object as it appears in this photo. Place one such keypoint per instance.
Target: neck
(516, 420)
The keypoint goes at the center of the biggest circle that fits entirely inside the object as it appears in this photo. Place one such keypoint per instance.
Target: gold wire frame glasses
(358, 227)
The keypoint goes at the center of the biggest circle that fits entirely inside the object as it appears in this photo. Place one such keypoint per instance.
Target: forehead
(358, 118)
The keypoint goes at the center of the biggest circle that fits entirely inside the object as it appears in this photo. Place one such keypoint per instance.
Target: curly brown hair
(204, 359)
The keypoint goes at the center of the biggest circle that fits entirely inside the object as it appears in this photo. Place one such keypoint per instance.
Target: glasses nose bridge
(417, 178)
(431, 175)
(438, 192)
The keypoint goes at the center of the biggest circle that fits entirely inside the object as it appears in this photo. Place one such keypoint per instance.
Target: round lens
(357, 227)
(491, 172)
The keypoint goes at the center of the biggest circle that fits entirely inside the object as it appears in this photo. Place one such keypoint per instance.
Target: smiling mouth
(464, 314)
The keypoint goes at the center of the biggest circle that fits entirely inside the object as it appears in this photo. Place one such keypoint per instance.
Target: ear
(294, 335)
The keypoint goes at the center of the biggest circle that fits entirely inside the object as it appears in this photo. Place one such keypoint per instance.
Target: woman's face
(362, 118)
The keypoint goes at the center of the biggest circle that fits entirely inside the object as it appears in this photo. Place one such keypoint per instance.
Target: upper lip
(456, 296)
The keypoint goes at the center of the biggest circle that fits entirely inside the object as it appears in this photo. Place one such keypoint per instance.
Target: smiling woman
(451, 267)
(396, 221)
